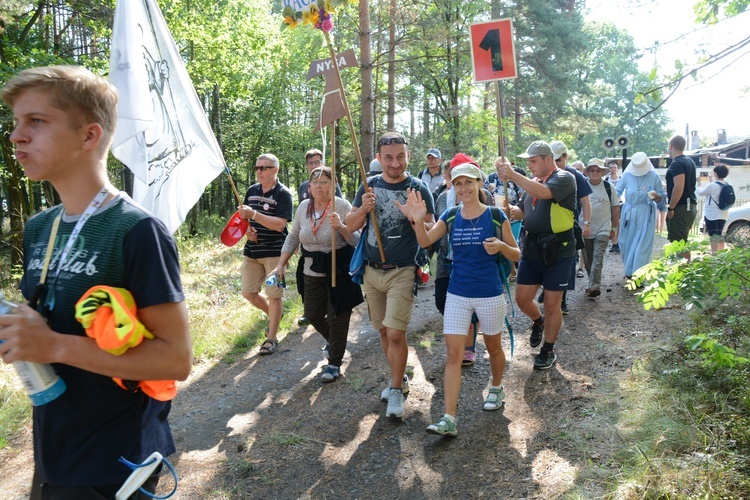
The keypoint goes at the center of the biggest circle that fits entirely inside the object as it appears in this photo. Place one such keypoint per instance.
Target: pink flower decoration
(327, 25)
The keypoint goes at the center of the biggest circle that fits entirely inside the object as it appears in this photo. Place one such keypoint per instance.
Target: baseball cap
(434, 152)
(234, 230)
(462, 158)
(537, 148)
(558, 149)
(466, 170)
(375, 166)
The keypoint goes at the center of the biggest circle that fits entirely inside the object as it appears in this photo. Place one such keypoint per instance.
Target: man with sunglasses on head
(389, 284)
(268, 208)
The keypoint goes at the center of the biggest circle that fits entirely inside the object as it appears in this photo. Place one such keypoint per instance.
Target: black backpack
(727, 197)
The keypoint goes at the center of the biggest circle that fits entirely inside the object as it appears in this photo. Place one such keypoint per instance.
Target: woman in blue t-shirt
(475, 284)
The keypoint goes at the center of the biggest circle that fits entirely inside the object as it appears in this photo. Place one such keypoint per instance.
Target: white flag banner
(163, 134)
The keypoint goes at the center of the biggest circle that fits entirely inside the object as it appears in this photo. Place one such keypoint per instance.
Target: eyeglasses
(387, 141)
(263, 168)
(315, 162)
(320, 183)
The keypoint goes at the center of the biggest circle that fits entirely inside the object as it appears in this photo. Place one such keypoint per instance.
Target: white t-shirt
(710, 206)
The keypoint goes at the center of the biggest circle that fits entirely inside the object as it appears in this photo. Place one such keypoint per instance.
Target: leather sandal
(268, 347)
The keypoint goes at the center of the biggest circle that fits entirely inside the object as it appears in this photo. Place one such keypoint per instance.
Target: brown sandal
(268, 347)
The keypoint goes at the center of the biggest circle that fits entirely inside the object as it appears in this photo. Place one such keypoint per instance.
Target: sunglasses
(263, 168)
(392, 140)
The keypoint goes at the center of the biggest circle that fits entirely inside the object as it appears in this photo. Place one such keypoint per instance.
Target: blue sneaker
(330, 374)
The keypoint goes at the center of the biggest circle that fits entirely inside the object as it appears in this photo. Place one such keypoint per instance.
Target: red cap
(461, 158)
(234, 230)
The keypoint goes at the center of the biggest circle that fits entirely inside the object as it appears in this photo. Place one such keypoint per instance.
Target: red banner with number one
(493, 52)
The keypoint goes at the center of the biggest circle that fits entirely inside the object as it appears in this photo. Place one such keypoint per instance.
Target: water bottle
(40, 381)
(274, 280)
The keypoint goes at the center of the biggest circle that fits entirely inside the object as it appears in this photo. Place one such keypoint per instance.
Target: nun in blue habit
(644, 193)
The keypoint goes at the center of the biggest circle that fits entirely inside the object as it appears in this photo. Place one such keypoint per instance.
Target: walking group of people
(98, 237)
(450, 210)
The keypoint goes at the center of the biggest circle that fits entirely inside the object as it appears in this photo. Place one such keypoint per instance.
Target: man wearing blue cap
(432, 176)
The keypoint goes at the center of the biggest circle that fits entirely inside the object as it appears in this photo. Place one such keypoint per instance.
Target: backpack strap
(711, 198)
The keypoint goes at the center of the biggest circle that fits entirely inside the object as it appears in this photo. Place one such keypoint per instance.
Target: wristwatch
(587, 223)
(670, 209)
(614, 229)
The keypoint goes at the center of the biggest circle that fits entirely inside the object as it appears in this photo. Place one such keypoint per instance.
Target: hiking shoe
(544, 360)
(404, 389)
(494, 400)
(615, 248)
(579, 274)
(537, 333)
(395, 409)
(302, 321)
(330, 374)
(593, 292)
(443, 428)
(564, 308)
(470, 358)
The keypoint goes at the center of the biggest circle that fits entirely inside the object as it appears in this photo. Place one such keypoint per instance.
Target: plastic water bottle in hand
(40, 381)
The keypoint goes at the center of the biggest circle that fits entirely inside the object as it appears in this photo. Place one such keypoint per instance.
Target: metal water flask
(40, 381)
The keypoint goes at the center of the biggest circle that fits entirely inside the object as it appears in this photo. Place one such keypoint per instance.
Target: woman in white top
(327, 308)
(713, 216)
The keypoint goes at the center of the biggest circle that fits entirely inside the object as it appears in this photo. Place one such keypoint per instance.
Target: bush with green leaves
(708, 366)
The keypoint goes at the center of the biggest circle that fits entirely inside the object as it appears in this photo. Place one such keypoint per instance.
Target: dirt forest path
(266, 427)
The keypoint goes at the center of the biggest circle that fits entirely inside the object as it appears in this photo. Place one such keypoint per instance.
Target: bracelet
(614, 229)
(670, 209)
(255, 212)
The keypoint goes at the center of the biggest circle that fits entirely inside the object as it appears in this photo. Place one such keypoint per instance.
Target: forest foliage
(577, 81)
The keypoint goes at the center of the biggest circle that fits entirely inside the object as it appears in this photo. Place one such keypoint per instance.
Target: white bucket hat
(639, 164)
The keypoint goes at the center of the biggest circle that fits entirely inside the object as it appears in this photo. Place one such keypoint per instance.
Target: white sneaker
(395, 410)
(404, 389)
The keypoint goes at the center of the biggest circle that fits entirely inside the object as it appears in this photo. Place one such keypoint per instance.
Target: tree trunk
(392, 65)
(367, 125)
(16, 212)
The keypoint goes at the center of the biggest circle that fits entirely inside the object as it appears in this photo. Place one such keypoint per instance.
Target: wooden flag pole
(355, 144)
(501, 140)
(234, 188)
(333, 203)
